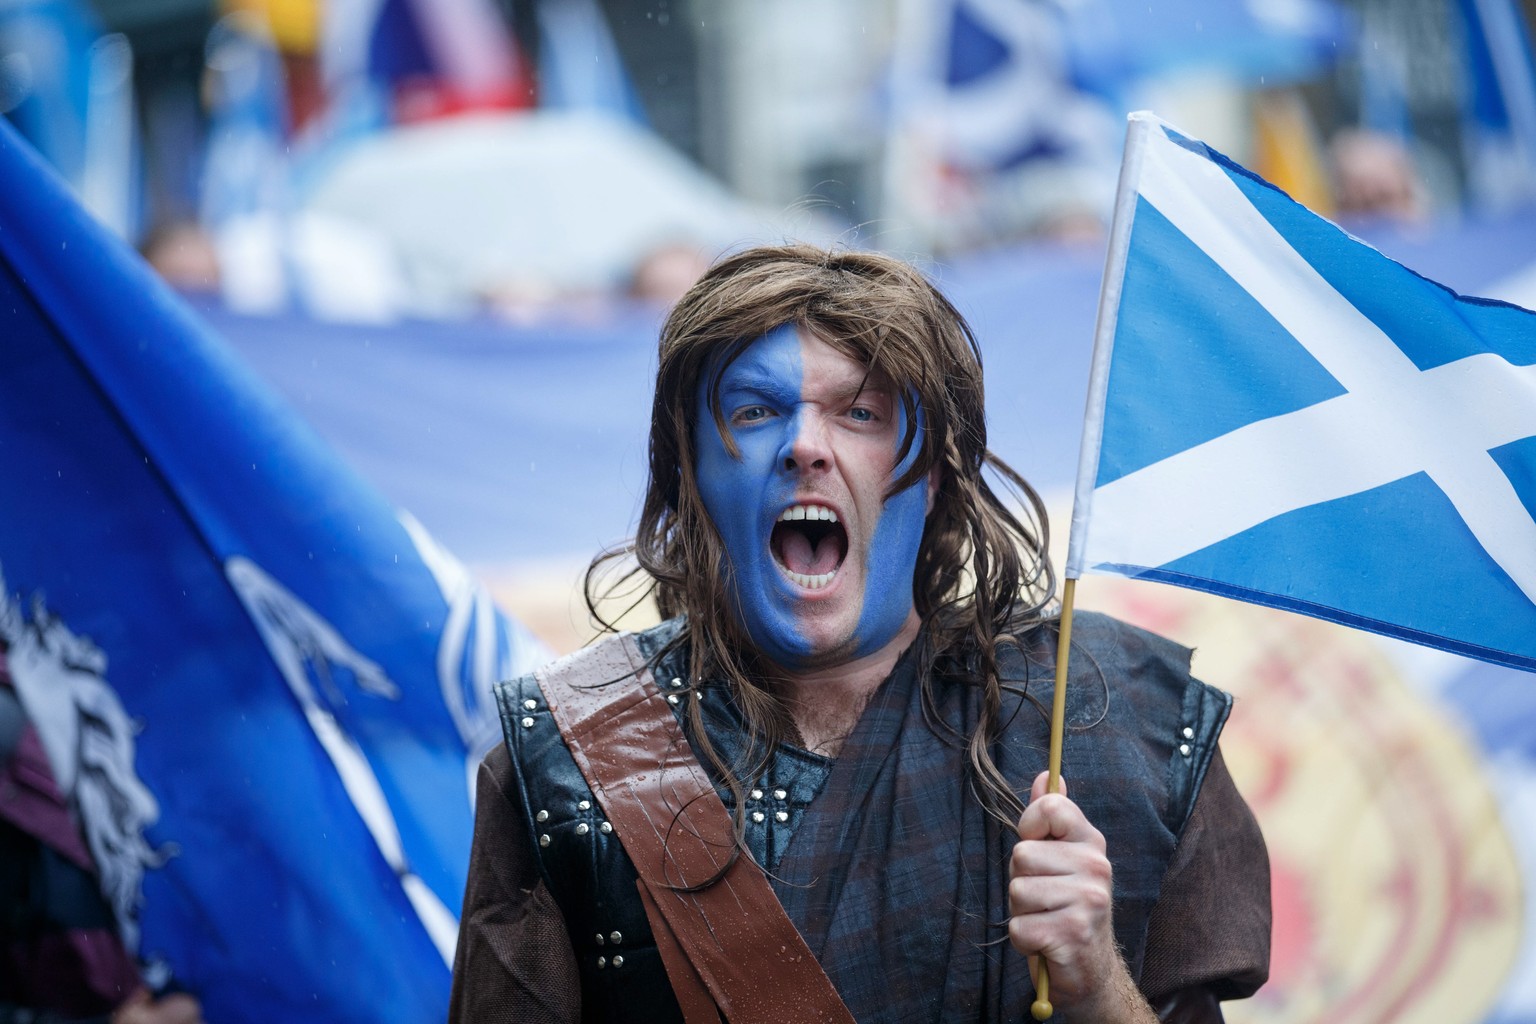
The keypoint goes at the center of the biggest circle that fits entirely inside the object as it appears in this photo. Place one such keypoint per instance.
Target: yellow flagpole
(1139, 127)
(1042, 1009)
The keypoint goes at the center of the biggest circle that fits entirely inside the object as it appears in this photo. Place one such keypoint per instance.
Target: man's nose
(807, 448)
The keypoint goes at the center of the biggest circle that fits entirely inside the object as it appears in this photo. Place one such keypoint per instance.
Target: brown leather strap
(693, 996)
(735, 933)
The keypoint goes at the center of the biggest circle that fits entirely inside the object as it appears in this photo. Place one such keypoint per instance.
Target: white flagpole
(1140, 123)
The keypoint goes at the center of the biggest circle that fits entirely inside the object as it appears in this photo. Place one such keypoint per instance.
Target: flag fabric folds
(1280, 413)
(264, 688)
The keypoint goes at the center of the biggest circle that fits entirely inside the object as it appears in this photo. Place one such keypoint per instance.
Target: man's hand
(143, 1008)
(1060, 897)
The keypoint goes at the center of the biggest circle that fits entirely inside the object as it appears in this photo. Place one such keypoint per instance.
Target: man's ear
(934, 476)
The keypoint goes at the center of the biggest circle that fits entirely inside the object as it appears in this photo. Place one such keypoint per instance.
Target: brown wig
(982, 573)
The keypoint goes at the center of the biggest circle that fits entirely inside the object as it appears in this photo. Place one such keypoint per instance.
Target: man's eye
(862, 414)
(751, 414)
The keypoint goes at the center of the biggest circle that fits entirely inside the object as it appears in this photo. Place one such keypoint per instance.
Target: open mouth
(809, 544)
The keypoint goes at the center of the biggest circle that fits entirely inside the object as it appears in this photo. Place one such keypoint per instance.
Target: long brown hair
(982, 573)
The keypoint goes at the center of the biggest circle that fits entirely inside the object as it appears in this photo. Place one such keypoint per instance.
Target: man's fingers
(1063, 937)
(1038, 896)
(1052, 816)
(1033, 858)
(1086, 894)
(1042, 781)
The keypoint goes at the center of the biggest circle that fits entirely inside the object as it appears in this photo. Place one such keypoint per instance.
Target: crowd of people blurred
(618, 130)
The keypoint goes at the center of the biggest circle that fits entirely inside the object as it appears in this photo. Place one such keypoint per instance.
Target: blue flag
(264, 689)
(1499, 120)
(1280, 413)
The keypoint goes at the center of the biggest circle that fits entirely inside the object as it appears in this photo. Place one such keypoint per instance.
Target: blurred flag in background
(1455, 83)
(68, 88)
(245, 168)
(292, 678)
(431, 57)
(45, 77)
(1005, 113)
(579, 63)
(1499, 131)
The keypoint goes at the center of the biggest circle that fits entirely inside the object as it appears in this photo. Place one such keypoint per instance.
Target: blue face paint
(893, 556)
(810, 439)
(745, 496)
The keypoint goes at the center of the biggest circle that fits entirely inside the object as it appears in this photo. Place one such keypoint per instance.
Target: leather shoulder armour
(583, 863)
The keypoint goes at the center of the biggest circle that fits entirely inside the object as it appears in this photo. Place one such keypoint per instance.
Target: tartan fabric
(897, 877)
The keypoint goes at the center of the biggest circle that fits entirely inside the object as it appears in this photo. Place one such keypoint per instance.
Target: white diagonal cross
(1398, 419)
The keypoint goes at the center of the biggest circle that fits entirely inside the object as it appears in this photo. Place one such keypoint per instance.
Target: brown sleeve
(1210, 928)
(514, 961)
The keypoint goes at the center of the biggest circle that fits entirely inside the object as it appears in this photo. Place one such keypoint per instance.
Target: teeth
(817, 512)
(807, 512)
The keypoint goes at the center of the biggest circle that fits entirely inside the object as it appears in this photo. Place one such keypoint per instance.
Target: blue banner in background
(1271, 43)
(289, 678)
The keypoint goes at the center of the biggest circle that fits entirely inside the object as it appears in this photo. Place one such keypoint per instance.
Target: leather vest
(592, 880)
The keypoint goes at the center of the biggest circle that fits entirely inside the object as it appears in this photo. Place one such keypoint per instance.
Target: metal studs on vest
(527, 723)
(615, 937)
(602, 962)
(780, 815)
(757, 816)
(1189, 733)
(618, 962)
(583, 829)
(757, 794)
(780, 794)
(677, 684)
(544, 839)
(600, 938)
(541, 817)
(605, 828)
(585, 805)
(1185, 749)
(530, 704)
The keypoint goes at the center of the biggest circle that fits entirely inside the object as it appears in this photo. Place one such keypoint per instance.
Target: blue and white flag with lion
(264, 689)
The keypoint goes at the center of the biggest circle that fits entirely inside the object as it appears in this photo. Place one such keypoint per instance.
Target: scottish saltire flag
(1280, 413)
(264, 689)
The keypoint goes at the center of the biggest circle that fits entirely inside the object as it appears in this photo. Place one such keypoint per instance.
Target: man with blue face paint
(821, 557)
(857, 631)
